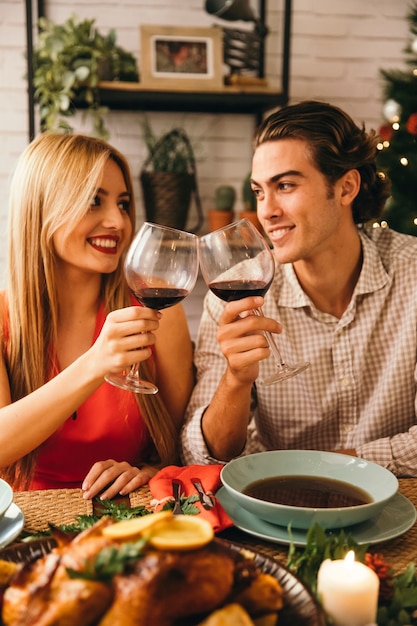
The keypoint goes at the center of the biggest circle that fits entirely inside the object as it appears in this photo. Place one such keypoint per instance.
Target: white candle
(348, 591)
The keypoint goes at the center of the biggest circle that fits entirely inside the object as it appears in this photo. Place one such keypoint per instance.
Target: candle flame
(350, 557)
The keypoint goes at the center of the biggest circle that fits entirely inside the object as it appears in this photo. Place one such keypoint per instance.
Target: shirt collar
(373, 277)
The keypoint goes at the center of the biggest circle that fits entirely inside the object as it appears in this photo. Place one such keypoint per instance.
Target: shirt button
(345, 382)
(346, 428)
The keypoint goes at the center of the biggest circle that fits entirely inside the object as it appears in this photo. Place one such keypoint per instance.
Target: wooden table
(63, 506)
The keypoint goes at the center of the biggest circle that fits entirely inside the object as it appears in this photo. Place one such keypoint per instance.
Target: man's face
(299, 212)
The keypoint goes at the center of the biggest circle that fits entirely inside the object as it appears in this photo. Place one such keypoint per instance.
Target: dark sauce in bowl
(307, 491)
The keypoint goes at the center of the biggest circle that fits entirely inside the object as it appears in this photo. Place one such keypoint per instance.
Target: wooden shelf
(230, 99)
(128, 96)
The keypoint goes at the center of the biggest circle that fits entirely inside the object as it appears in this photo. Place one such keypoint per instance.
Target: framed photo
(185, 58)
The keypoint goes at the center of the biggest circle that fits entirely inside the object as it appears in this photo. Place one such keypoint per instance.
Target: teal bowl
(330, 471)
(6, 497)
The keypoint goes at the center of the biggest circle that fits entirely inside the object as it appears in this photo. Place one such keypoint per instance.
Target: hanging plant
(69, 61)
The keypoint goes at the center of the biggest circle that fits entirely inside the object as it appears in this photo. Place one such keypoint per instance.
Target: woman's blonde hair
(53, 184)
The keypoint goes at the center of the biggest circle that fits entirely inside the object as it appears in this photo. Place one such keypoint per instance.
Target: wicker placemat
(56, 506)
(64, 505)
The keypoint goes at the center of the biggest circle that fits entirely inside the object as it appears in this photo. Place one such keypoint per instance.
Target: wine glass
(161, 269)
(236, 262)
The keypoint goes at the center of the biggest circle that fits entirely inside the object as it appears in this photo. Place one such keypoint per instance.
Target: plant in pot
(69, 60)
(169, 179)
(249, 204)
(222, 213)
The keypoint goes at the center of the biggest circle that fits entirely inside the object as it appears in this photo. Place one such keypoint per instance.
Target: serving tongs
(207, 500)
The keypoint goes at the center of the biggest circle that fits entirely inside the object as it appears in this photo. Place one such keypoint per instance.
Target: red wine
(159, 297)
(230, 290)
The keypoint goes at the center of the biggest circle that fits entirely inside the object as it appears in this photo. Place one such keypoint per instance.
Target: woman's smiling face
(97, 242)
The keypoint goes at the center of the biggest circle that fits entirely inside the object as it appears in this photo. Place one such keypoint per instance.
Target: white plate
(6, 496)
(11, 525)
(396, 518)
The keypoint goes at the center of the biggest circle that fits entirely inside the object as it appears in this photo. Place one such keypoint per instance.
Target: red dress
(108, 425)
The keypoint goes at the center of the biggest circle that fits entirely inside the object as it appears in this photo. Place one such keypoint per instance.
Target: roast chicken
(160, 588)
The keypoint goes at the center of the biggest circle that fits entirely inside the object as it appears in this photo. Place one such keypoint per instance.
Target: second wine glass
(236, 262)
(161, 269)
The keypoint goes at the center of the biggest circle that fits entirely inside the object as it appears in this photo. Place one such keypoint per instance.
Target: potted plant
(69, 60)
(249, 203)
(222, 213)
(169, 179)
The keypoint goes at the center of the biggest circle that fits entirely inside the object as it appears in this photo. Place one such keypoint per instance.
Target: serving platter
(396, 518)
(300, 606)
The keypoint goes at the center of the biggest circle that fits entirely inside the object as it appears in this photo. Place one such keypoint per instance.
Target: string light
(404, 161)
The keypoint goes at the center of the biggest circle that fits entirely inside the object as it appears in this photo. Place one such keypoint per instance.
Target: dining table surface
(63, 506)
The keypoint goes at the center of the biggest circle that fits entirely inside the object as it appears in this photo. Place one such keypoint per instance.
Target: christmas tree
(398, 148)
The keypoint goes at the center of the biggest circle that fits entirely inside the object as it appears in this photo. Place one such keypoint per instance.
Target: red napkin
(209, 475)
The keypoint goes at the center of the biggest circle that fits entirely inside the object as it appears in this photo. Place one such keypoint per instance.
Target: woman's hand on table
(115, 478)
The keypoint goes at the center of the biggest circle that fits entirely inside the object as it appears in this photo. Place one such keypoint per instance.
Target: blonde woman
(67, 319)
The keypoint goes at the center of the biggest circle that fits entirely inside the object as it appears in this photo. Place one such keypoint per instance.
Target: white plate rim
(393, 520)
(6, 495)
(11, 525)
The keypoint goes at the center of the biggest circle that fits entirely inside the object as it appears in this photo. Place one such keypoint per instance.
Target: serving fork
(207, 501)
(176, 492)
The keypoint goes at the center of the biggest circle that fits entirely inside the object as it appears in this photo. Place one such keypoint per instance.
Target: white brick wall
(337, 49)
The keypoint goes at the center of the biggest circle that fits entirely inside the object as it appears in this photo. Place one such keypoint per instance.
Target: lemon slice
(136, 526)
(182, 532)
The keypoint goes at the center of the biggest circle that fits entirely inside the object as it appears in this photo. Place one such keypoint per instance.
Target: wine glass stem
(272, 344)
(133, 372)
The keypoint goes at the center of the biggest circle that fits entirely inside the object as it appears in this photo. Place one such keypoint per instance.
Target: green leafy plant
(248, 197)
(170, 152)
(224, 198)
(69, 60)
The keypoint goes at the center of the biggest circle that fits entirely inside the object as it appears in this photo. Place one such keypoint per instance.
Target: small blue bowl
(380, 484)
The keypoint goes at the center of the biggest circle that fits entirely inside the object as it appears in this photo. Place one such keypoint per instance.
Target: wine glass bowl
(237, 262)
(161, 269)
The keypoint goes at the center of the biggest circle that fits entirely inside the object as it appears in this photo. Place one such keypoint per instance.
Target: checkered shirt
(360, 389)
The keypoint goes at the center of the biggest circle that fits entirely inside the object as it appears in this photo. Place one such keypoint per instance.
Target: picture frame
(181, 58)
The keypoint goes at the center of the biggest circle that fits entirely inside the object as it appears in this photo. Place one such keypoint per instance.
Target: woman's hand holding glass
(161, 269)
(127, 334)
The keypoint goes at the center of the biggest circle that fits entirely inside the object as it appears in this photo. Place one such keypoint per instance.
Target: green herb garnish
(118, 511)
(110, 561)
(401, 607)
(321, 545)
